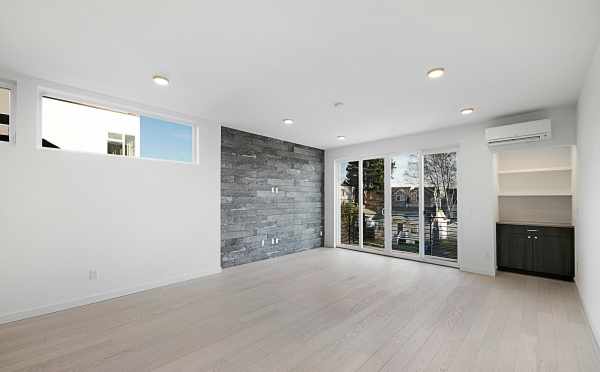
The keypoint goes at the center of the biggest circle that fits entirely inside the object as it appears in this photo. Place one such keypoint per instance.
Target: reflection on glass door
(405, 182)
(440, 205)
(373, 203)
(348, 192)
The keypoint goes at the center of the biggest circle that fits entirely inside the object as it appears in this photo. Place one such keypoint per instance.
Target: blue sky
(161, 139)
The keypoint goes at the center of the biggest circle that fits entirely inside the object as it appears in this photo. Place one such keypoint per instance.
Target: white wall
(477, 202)
(587, 240)
(138, 223)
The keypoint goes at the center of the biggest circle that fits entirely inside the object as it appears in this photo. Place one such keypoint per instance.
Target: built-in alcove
(535, 186)
(535, 233)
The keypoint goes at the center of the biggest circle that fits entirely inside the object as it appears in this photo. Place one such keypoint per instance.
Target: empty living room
(300, 185)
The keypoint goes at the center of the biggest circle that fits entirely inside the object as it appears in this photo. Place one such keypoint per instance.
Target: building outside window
(4, 114)
(121, 144)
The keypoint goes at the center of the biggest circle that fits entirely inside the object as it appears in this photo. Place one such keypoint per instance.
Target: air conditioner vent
(529, 132)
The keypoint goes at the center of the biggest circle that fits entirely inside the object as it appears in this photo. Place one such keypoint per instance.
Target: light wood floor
(321, 310)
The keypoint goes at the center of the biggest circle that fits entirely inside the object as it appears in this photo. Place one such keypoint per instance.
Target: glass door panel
(440, 205)
(373, 198)
(348, 191)
(405, 183)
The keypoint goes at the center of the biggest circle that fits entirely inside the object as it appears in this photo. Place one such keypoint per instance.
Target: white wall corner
(472, 270)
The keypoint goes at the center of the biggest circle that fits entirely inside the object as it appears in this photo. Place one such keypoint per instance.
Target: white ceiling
(250, 64)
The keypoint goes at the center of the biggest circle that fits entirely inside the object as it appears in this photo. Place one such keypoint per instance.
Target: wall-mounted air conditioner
(531, 131)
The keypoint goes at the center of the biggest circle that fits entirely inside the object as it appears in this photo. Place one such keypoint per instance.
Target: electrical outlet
(272, 241)
(321, 233)
(92, 275)
(262, 243)
(277, 190)
(276, 240)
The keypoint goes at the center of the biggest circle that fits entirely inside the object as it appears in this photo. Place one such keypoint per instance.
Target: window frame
(12, 127)
(105, 103)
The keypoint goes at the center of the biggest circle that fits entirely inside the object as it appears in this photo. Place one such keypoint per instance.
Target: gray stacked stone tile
(252, 166)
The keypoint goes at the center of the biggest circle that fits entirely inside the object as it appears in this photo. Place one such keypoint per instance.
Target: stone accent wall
(271, 197)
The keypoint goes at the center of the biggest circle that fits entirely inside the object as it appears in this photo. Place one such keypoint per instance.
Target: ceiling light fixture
(467, 111)
(160, 80)
(288, 121)
(436, 73)
(341, 138)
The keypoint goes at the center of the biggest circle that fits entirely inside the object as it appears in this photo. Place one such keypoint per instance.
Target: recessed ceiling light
(288, 121)
(341, 138)
(436, 73)
(160, 80)
(467, 111)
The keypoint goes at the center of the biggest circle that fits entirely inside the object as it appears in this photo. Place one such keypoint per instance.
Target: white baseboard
(29, 313)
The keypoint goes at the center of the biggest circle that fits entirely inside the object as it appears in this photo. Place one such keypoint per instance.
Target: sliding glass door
(401, 205)
(405, 189)
(373, 203)
(440, 207)
(348, 195)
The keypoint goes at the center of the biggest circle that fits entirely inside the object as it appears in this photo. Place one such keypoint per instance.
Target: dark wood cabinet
(539, 250)
(514, 250)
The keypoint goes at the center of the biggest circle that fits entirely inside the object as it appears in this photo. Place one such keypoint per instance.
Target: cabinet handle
(531, 230)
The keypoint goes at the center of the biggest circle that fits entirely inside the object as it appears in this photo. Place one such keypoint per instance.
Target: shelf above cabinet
(548, 183)
(536, 193)
(535, 170)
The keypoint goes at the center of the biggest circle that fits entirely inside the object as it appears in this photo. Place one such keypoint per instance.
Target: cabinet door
(553, 254)
(515, 252)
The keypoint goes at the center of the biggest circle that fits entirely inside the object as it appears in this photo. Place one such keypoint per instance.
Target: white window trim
(387, 251)
(12, 127)
(109, 104)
